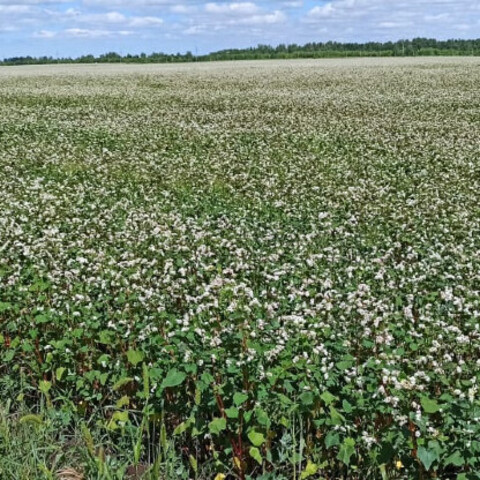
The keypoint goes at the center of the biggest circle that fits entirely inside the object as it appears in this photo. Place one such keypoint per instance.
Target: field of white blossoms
(262, 270)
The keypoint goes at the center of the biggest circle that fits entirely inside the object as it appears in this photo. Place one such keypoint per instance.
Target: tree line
(399, 48)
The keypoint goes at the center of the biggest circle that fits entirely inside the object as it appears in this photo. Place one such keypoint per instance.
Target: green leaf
(123, 402)
(105, 337)
(262, 417)
(455, 459)
(4, 306)
(347, 406)
(173, 378)
(42, 319)
(183, 427)
(337, 417)
(306, 398)
(44, 386)
(232, 412)
(135, 357)
(255, 454)
(346, 451)
(310, 470)
(118, 419)
(332, 439)
(284, 399)
(327, 397)
(217, 425)
(59, 373)
(427, 457)
(239, 398)
(256, 438)
(344, 365)
(429, 405)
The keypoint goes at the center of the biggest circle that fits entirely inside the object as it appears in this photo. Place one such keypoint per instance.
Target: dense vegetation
(261, 270)
(414, 47)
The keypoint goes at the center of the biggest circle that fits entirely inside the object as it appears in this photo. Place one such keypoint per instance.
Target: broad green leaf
(123, 402)
(344, 365)
(256, 438)
(59, 373)
(429, 405)
(255, 454)
(262, 417)
(337, 417)
(310, 470)
(427, 457)
(284, 399)
(42, 319)
(118, 419)
(105, 337)
(217, 425)
(135, 357)
(347, 406)
(173, 378)
(306, 398)
(455, 459)
(4, 306)
(183, 427)
(327, 397)
(332, 439)
(239, 398)
(346, 451)
(232, 412)
(44, 386)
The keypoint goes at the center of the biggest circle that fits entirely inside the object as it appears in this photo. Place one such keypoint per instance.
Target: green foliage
(256, 438)
(416, 46)
(173, 378)
(134, 357)
(347, 449)
(268, 273)
(256, 455)
(217, 425)
(427, 457)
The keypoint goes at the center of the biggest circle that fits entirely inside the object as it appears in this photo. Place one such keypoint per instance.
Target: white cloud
(34, 2)
(244, 8)
(183, 9)
(266, 19)
(363, 20)
(45, 34)
(89, 33)
(15, 9)
(323, 11)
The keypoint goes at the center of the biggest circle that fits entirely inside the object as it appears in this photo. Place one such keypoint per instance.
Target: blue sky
(72, 28)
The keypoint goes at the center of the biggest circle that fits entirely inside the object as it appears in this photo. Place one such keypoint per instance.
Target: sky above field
(72, 28)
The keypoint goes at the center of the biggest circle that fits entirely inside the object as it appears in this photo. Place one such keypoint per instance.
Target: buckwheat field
(256, 270)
